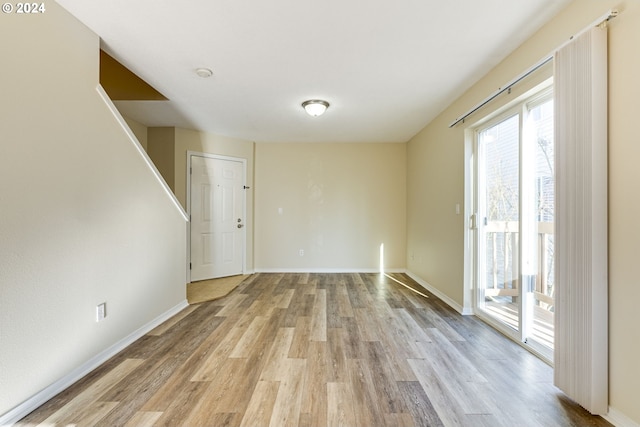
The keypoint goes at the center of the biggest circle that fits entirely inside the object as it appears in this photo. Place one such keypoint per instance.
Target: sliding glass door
(514, 222)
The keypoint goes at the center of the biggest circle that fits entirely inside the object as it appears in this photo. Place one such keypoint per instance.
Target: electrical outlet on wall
(301, 252)
(101, 311)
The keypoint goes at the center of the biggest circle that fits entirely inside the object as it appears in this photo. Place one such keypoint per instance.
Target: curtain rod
(507, 87)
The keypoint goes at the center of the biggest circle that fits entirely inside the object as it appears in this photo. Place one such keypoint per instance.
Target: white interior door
(217, 217)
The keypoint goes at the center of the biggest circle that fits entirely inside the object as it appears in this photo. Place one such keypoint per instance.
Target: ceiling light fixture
(204, 72)
(315, 107)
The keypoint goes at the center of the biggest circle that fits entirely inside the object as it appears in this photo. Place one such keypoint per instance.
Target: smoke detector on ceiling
(204, 72)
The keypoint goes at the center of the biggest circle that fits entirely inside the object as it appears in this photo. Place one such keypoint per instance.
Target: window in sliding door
(541, 202)
(499, 216)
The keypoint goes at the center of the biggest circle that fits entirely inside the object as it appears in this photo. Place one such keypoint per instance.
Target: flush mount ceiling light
(315, 107)
(204, 72)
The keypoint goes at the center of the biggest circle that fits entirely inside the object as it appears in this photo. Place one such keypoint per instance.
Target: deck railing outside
(503, 275)
(502, 280)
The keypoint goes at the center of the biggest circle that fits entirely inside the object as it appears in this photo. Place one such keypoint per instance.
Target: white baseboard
(457, 307)
(451, 303)
(37, 400)
(327, 270)
(619, 419)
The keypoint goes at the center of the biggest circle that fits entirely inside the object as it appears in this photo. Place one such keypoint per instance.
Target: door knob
(240, 225)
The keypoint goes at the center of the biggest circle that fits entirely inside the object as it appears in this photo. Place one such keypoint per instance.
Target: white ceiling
(386, 67)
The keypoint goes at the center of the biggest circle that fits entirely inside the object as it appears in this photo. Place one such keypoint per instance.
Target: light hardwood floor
(318, 350)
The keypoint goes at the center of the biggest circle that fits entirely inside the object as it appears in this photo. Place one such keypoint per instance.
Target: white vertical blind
(581, 343)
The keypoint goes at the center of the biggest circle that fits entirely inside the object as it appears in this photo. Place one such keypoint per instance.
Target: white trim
(619, 419)
(244, 205)
(37, 400)
(134, 140)
(465, 311)
(470, 165)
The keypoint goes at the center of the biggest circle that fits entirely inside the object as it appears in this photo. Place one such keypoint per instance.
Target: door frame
(191, 154)
(472, 239)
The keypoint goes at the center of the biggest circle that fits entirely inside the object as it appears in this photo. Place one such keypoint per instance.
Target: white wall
(436, 182)
(82, 219)
(336, 202)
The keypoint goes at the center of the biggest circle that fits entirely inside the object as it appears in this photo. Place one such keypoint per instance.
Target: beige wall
(624, 211)
(436, 159)
(89, 223)
(337, 202)
(168, 148)
(161, 150)
(83, 220)
(139, 130)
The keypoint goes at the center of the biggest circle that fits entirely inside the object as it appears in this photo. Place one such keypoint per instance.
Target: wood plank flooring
(318, 350)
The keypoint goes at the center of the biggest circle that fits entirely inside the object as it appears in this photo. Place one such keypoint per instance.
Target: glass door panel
(498, 221)
(540, 126)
